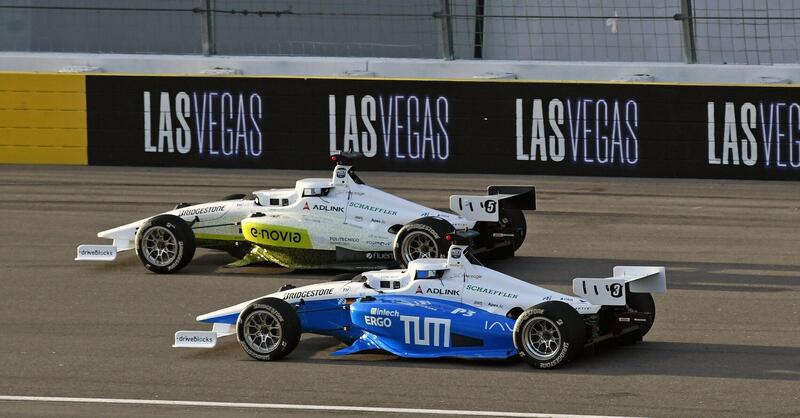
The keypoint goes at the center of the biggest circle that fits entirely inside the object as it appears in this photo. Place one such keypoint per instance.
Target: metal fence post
(447, 31)
(207, 28)
(687, 21)
(480, 11)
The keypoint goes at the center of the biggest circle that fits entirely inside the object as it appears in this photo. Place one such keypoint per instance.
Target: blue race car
(448, 307)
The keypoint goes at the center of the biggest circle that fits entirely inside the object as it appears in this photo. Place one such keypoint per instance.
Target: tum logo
(434, 331)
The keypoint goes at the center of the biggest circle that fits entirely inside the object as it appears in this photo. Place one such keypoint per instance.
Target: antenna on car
(461, 237)
(345, 157)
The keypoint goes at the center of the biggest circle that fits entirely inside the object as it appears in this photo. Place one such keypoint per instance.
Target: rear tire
(165, 244)
(422, 238)
(642, 302)
(515, 219)
(549, 334)
(512, 218)
(268, 329)
(235, 196)
(344, 277)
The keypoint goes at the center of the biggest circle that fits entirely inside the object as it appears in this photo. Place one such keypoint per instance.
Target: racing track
(726, 341)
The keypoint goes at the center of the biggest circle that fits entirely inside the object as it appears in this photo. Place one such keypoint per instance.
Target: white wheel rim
(541, 338)
(418, 244)
(159, 246)
(262, 331)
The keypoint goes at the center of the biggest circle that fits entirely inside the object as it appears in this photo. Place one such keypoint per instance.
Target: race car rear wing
(487, 208)
(611, 291)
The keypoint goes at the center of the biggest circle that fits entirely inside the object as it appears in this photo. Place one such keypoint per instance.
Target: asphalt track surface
(726, 341)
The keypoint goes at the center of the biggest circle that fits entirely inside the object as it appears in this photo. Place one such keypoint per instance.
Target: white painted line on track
(155, 402)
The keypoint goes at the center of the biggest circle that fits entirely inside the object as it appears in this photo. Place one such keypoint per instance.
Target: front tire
(268, 329)
(422, 238)
(549, 334)
(165, 244)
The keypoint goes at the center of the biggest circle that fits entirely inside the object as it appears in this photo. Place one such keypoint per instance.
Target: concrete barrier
(42, 118)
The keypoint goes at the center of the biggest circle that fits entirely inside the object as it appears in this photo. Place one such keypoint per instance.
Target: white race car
(320, 223)
(443, 307)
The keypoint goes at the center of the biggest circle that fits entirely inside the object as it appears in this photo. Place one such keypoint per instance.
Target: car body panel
(422, 327)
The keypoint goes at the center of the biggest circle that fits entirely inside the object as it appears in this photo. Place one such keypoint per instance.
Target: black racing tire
(549, 334)
(511, 218)
(515, 218)
(422, 238)
(643, 303)
(235, 196)
(238, 249)
(165, 244)
(275, 316)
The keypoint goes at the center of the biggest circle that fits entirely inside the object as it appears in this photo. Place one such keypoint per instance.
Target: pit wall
(43, 119)
(742, 131)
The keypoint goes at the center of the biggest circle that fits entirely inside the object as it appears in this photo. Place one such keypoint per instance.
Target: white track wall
(403, 68)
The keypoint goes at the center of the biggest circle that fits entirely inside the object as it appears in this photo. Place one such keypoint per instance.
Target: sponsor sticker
(322, 208)
(489, 291)
(378, 321)
(276, 235)
(97, 252)
(202, 211)
(379, 243)
(303, 294)
(370, 208)
(195, 339)
(342, 240)
(497, 325)
(428, 331)
(198, 339)
(443, 292)
(379, 256)
(462, 311)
